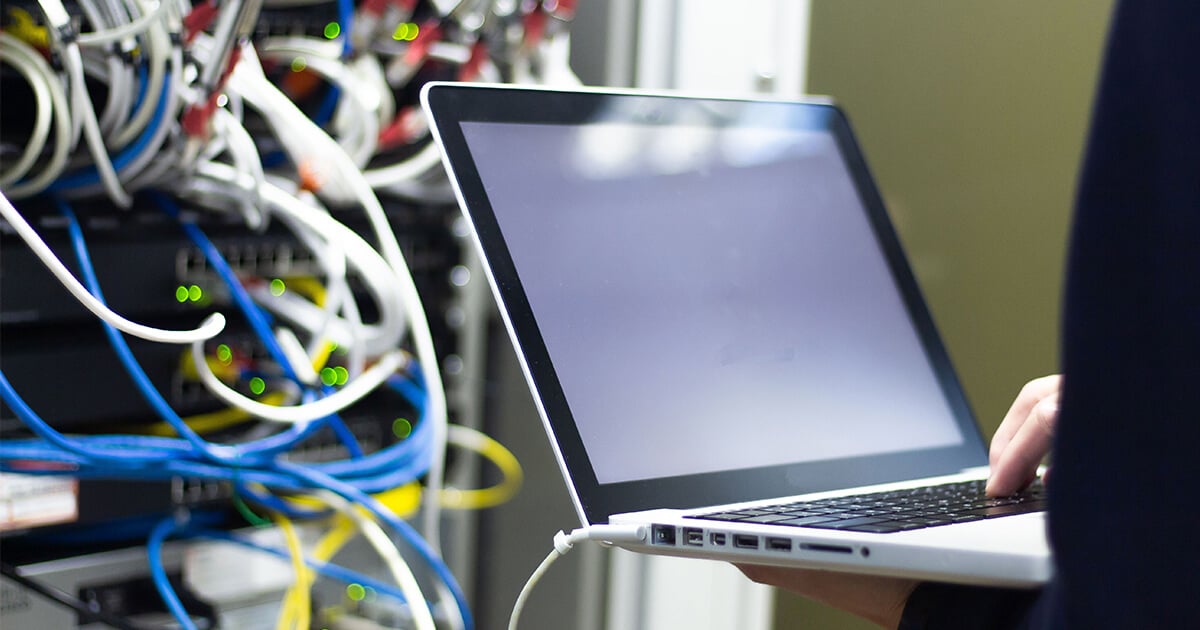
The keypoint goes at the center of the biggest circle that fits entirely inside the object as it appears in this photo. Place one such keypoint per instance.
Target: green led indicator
(224, 354)
(342, 375)
(406, 32)
(298, 64)
(329, 376)
(195, 293)
(332, 30)
(356, 592)
(401, 428)
(277, 287)
(258, 386)
(181, 294)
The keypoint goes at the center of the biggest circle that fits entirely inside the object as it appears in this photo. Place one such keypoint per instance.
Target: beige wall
(972, 115)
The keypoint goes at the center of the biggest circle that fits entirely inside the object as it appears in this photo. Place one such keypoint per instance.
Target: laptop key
(850, 524)
(766, 518)
(806, 521)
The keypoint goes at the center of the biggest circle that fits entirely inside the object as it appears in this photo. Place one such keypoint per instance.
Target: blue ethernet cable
(158, 573)
(258, 319)
(345, 10)
(116, 457)
(217, 453)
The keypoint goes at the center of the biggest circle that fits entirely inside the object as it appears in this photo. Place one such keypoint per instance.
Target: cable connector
(563, 542)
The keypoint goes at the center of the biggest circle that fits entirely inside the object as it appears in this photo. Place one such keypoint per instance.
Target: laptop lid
(706, 295)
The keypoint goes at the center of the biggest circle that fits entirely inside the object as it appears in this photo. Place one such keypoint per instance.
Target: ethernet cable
(399, 569)
(158, 573)
(296, 611)
(35, 77)
(52, 98)
(209, 328)
(493, 451)
(84, 112)
(362, 101)
(217, 453)
(135, 27)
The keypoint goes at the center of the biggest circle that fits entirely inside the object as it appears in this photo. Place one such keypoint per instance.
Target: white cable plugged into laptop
(563, 542)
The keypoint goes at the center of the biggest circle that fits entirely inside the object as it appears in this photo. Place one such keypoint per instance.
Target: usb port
(693, 536)
(779, 544)
(717, 539)
(744, 541)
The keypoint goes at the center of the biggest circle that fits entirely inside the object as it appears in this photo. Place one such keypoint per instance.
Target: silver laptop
(722, 335)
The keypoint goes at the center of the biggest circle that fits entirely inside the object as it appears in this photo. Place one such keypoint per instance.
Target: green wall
(972, 115)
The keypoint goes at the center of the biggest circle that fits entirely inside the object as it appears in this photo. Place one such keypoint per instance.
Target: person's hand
(1024, 436)
(880, 600)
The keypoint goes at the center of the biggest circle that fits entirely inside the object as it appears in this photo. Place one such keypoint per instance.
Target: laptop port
(717, 539)
(693, 536)
(779, 544)
(826, 548)
(745, 541)
(664, 535)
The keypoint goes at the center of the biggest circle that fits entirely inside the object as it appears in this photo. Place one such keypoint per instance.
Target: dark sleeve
(935, 606)
(1123, 511)
(1123, 514)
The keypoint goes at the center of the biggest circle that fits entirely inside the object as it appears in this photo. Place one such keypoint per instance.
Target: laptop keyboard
(893, 511)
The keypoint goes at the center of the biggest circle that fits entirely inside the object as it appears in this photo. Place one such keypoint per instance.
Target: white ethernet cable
(20, 54)
(149, 16)
(359, 109)
(207, 330)
(307, 143)
(421, 163)
(355, 390)
(81, 106)
(158, 50)
(401, 573)
(603, 534)
(338, 298)
(42, 100)
(379, 277)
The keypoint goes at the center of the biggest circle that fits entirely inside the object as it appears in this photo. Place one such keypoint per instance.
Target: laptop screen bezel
(450, 105)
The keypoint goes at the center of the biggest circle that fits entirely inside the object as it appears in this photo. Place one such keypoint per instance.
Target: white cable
(610, 534)
(338, 297)
(241, 149)
(379, 278)
(355, 390)
(207, 330)
(130, 29)
(152, 157)
(42, 105)
(158, 49)
(421, 163)
(358, 115)
(307, 143)
(106, 66)
(401, 573)
(62, 119)
(81, 105)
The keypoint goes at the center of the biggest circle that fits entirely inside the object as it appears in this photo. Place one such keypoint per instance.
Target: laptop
(722, 335)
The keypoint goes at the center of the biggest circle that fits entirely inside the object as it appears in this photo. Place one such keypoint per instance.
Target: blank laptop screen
(712, 297)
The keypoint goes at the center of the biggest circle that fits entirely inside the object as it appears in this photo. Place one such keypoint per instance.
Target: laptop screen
(711, 292)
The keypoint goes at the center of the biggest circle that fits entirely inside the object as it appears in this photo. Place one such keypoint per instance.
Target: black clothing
(1129, 421)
